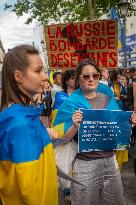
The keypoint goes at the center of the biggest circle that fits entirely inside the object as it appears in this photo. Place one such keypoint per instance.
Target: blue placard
(130, 44)
(104, 130)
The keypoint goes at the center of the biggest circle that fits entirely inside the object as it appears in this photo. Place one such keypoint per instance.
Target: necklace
(94, 96)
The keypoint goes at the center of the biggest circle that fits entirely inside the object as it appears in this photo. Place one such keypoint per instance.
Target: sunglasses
(95, 76)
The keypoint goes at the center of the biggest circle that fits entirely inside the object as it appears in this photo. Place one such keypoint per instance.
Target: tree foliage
(71, 10)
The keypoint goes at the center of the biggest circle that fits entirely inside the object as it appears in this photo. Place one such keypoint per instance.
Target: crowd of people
(38, 116)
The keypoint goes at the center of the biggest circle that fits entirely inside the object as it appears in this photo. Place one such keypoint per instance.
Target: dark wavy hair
(80, 67)
(55, 74)
(65, 77)
(114, 75)
(15, 59)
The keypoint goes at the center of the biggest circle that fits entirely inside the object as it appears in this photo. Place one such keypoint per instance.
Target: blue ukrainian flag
(60, 97)
(121, 40)
(27, 165)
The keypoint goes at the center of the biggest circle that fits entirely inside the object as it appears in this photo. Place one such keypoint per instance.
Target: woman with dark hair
(97, 170)
(124, 92)
(68, 86)
(27, 165)
(45, 99)
(68, 81)
(116, 85)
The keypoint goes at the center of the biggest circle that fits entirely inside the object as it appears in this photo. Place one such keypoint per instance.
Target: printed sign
(104, 130)
(68, 44)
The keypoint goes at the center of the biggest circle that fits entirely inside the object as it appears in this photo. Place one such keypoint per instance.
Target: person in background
(119, 73)
(45, 99)
(48, 85)
(116, 87)
(104, 76)
(27, 166)
(68, 86)
(131, 76)
(56, 87)
(124, 92)
(98, 171)
(121, 156)
(68, 81)
(130, 103)
(124, 80)
(57, 78)
(132, 73)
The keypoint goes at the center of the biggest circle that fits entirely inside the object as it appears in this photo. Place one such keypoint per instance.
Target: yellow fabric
(117, 88)
(53, 115)
(119, 44)
(121, 156)
(59, 128)
(51, 78)
(30, 183)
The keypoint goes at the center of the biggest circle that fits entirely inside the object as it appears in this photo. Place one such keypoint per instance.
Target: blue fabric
(120, 104)
(77, 100)
(59, 98)
(21, 130)
(102, 88)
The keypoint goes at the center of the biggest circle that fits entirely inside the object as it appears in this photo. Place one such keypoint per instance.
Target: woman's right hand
(77, 118)
(53, 133)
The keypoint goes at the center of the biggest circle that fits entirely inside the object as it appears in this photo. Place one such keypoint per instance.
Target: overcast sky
(13, 30)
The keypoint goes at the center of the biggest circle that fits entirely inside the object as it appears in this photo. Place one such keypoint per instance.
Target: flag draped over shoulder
(77, 100)
(27, 165)
(60, 97)
(114, 15)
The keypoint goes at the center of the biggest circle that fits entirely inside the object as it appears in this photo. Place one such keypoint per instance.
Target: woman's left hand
(53, 134)
(133, 119)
